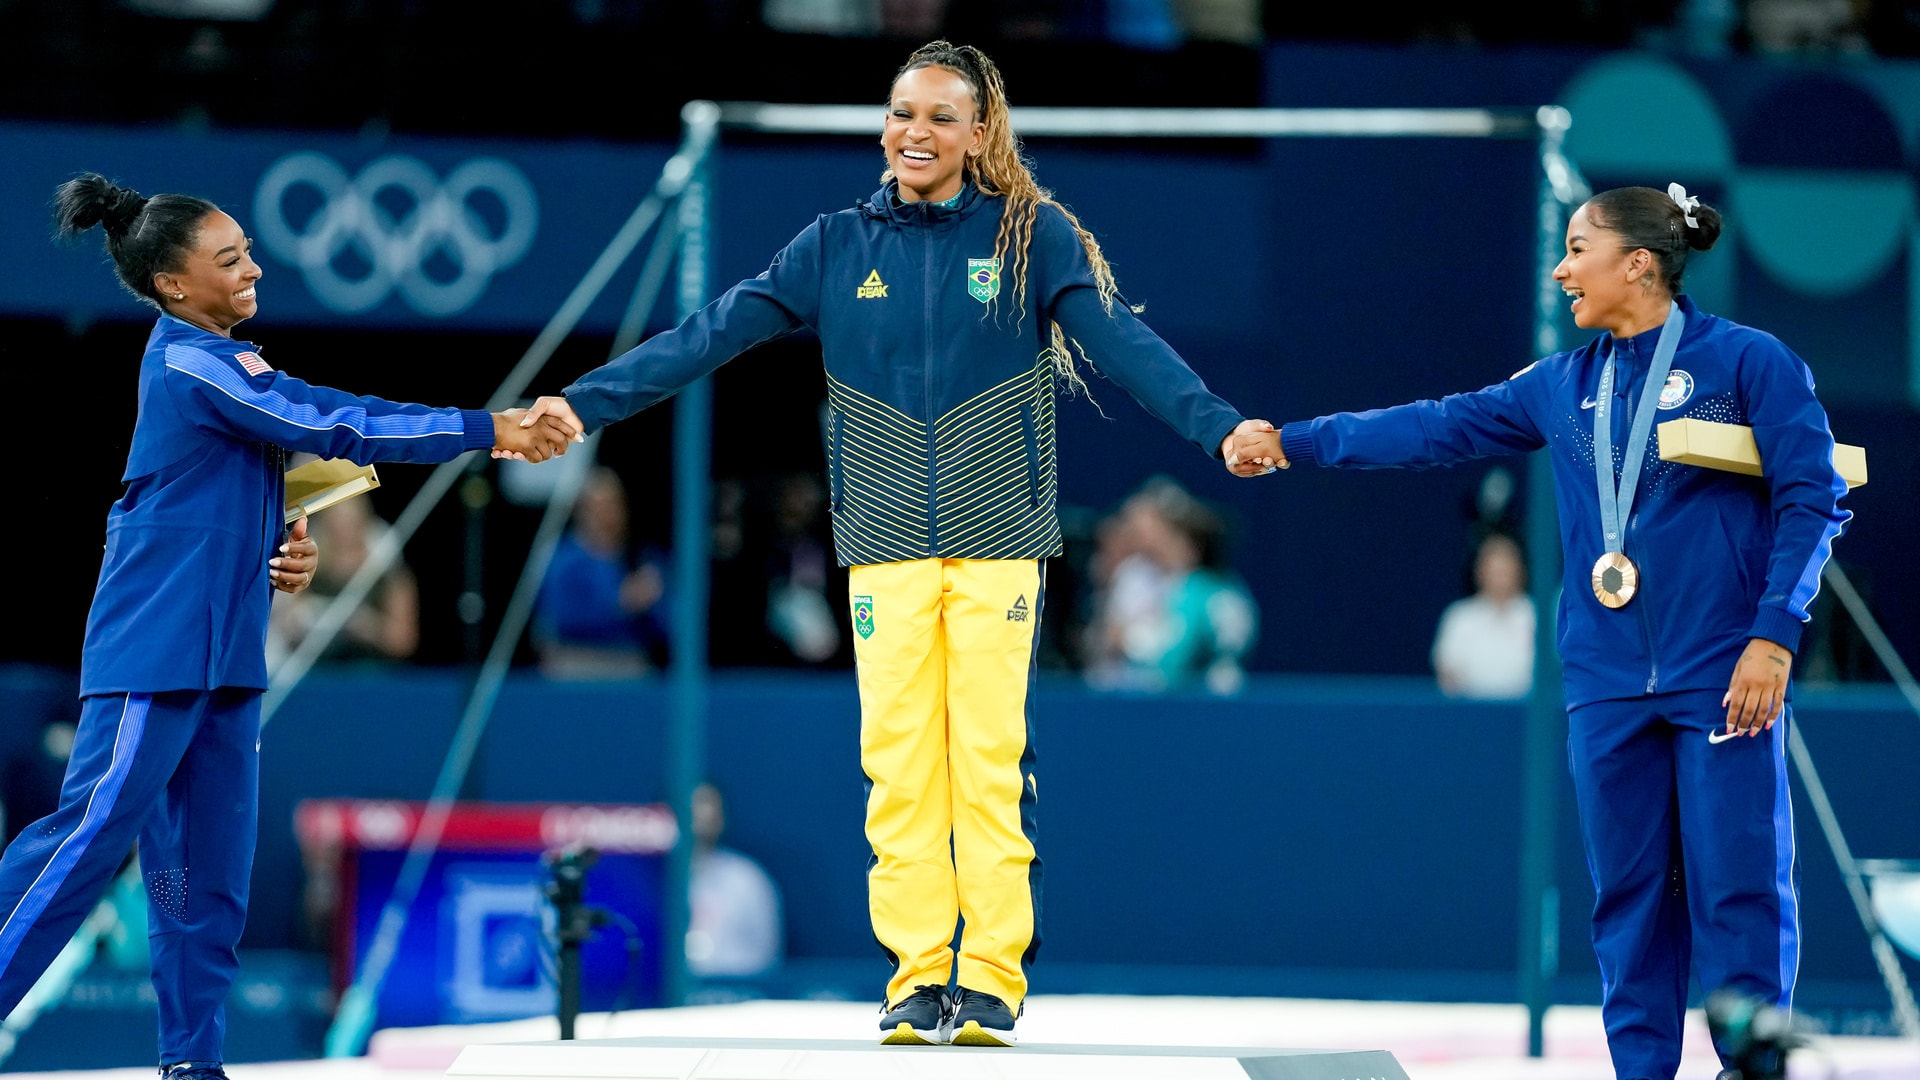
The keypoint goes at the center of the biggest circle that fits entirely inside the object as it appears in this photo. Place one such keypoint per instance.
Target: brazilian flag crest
(863, 616)
(983, 279)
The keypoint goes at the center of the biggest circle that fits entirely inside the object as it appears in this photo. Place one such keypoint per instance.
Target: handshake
(1253, 449)
(543, 431)
(537, 433)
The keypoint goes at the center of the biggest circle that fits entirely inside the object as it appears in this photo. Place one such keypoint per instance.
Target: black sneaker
(919, 1020)
(193, 1070)
(981, 1019)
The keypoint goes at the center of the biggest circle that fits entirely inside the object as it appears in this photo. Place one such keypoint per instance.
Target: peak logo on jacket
(872, 288)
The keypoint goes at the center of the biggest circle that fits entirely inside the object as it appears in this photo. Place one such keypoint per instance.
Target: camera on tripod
(566, 886)
(574, 921)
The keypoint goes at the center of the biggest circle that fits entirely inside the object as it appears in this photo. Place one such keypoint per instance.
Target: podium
(480, 942)
(796, 1059)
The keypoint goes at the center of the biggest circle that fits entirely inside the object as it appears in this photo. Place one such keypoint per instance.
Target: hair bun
(121, 206)
(91, 199)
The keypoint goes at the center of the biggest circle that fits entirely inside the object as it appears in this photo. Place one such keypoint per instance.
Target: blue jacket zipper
(933, 467)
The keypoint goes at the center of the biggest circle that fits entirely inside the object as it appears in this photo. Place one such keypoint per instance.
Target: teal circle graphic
(1640, 115)
(1827, 233)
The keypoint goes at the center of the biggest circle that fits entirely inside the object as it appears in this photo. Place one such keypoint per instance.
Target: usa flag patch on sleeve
(252, 362)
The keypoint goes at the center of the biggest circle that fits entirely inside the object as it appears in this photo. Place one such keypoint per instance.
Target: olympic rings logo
(395, 227)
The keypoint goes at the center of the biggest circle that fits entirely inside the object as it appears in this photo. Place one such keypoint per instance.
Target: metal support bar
(1543, 773)
(692, 548)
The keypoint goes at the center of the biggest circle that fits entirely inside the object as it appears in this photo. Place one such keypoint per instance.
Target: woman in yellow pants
(949, 307)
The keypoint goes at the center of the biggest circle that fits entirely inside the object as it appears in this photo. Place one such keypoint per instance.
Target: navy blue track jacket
(940, 379)
(1723, 558)
(183, 594)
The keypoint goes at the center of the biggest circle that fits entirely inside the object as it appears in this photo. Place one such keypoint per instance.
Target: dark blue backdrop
(1299, 276)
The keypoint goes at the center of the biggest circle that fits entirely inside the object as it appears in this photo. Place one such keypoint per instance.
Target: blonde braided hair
(1001, 170)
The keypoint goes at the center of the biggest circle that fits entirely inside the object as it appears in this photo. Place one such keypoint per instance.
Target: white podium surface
(669, 1058)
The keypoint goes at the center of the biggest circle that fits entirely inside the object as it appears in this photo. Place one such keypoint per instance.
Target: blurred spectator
(734, 927)
(386, 624)
(1169, 613)
(1236, 22)
(600, 611)
(736, 595)
(806, 590)
(1483, 648)
(840, 18)
(779, 598)
(1808, 26)
(1129, 584)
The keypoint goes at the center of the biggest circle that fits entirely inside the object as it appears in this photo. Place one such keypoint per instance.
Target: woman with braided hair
(941, 375)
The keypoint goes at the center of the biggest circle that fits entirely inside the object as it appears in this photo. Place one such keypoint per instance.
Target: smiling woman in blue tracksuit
(948, 306)
(174, 662)
(1685, 595)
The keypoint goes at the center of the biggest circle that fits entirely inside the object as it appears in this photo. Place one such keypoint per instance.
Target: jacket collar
(885, 204)
(1640, 346)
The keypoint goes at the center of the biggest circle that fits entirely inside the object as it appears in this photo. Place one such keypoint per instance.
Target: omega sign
(395, 227)
(640, 830)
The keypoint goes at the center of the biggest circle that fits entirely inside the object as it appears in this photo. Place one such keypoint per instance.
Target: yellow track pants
(944, 650)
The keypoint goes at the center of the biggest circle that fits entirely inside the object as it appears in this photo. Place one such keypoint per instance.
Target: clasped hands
(1253, 449)
(544, 430)
(537, 433)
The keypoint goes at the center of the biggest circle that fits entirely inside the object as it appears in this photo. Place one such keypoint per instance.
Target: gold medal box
(319, 484)
(1731, 447)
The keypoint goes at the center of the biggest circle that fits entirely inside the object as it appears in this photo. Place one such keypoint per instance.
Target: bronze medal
(1615, 579)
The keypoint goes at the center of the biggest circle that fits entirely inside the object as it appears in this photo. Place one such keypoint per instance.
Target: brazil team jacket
(183, 593)
(1723, 558)
(940, 379)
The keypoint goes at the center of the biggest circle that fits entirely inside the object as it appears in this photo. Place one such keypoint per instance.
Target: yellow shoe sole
(905, 1035)
(972, 1034)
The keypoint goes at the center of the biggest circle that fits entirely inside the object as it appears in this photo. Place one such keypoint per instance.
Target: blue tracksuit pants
(1691, 848)
(178, 772)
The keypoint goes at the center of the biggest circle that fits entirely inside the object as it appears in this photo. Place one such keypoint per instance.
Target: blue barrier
(1354, 827)
(1311, 836)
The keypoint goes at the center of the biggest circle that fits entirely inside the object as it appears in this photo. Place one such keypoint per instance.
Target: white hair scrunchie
(1686, 202)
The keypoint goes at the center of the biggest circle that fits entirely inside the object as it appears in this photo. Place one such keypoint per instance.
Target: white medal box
(1731, 447)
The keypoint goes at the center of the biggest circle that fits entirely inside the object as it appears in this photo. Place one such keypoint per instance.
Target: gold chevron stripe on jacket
(980, 482)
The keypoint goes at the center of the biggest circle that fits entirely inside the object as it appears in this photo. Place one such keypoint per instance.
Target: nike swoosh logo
(1587, 404)
(1717, 737)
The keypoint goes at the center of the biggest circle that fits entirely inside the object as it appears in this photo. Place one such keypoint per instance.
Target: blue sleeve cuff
(1296, 441)
(476, 429)
(1779, 627)
(1225, 435)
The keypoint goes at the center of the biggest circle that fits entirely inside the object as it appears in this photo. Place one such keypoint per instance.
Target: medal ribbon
(1617, 506)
